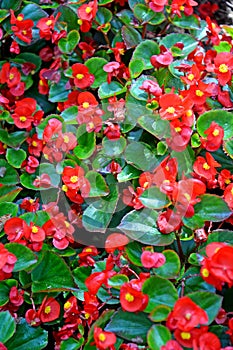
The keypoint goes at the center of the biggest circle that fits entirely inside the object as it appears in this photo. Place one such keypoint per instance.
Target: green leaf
(130, 326)
(7, 326)
(130, 36)
(133, 3)
(145, 50)
(13, 139)
(71, 344)
(57, 92)
(223, 46)
(27, 180)
(98, 184)
(95, 66)
(139, 155)
(228, 148)
(3, 15)
(220, 236)
(15, 157)
(153, 198)
(126, 16)
(160, 313)
(33, 12)
(160, 292)
(9, 193)
(209, 302)
(9, 175)
(128, 173)
(133, 251)
(223, 118)
(28, 337)
(25, 257)
(7, 208)
(144, 14)
(51, 274)
(97, 216)
(68, 16)
(138, 93)
(157, 19)
(68, 44)
(86, 143)
(117, 281)
(4, 296)
(136, 66)
(80, 275)
(114, 148)
(107, 90)
(158, 336)
(189, 42)
(11, 4)
(103, 15)
(155, 125)
(185, 160)
(69, 115)
(171, 268)
(141, 226)
(187, 22)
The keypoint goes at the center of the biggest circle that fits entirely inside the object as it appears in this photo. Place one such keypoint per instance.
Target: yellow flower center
(185, 335)
(34, 143)
(67, 224)
(170, 110)
(79, 76)
(227, 181)
(22, 119)
(64, 188)
(66, 139)
(187, 196)
(190, 76)
(11, 76)
(80, 22)
(88, 250)
(74, 179)
(178, 129)
(24, 32)
(19, 18)
(41, 82)
(87, 315)
(189, 113)
(181, 8)
(215, 132)
(31, 201)
(232, 191)
(199, 93)
(205, 273)
(206, 166)
(34, 229)
(86, 104)
(88, 9)
(223, 68)
(67, 305)
(47, 310)
(129, 297)
(91, 125)
(49, 22)
(188, 316)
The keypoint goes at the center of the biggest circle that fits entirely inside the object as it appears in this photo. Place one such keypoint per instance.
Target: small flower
(49, 310)
(104, 340)
(132, 298)
(81, 75)
(152, 259)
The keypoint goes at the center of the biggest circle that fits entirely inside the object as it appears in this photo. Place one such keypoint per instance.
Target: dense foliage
(116, 175)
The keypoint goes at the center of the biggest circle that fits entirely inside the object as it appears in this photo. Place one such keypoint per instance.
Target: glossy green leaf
(68, 16)
(136, 66)
(130, 326)
(130, 36)
(171, 268)
(8, 193)
(139, 155)
(133, 252)
(107, 90)
(141, 226)
(187, 22)
(153, 198)
(25, 257)
(103, 15)
(68, 44)
(155, 125)
(71, 344)
(86, 143)
(138, 93)
(33, 12)
(187, 40)
(4, 295)
(14, 139)
(70, 114)
(80, 275)
(28, 337)
(57, 91)
(160, 313)
(158, 336)
(95, 66)
(7, 326)
(113, 148)
(209, 302)
(10, 4)
(220, 236)
(145, 50)
(126, 16)
(228, 147)
(31, 58)
(223, 118)
(117, 281)
(128, 173)
(51, 274)
(15, 157)
(9, 175)
(98, 184)
(144, 14)
(160, 292)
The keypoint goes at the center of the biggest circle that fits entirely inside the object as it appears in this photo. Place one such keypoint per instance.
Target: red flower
(25, 113)
(151, 87)
(169, 221)
(228, 195)
(215, 134)
(223, 67)
(16, 296)
(49, 310)
(131, 197)
(152, 259)
(198, 93)
(85, 26)
(21, 27)
(15, 229)
(207, 341)
(7, 262)
(115, 241)
(88, 11)
(35, 145)
(87, 50)
(132, 298)
(31, 205)
(186, 338)
(71, 176)
(171, 345)
(162, 60)
(46, 26)
(86, 99)
(81, 75)
(112, 131)
(205, 167)
(186, 315)
(158, 5)
(171, 106)
(53, 128)
(35, 234)
(11, 76)
(104, 340)
(42, 181)
(180, 136)
(32, 318)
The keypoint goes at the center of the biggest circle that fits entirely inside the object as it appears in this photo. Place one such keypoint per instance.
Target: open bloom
(132, 298)
(223, 67)
(104, 340)
(81, 75)
(215, 134)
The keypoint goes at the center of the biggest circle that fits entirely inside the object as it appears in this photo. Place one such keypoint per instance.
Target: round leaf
(86, 143)
(171, 268)
(15, 157)
(189, 42)
(68, 44)
(7, 326)
(95, 67)
(114, 148)
(107, 90)
(160, 313)
(25, 257)
(158, 336)
(145, 50)
(153, 198)
(98, 184)
(223, 118)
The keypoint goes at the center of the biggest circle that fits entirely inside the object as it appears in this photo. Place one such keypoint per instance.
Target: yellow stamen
(206, 166)
(11, 76)
(80, 22)
(199, 93)
(79, 76)
(88, 250)
(178, 129)
(86, 104)
(170, 110)
(19, 18)
(189, 113)
(67, 305)
(187, 196)
(47, 310)
(215, 132)
(34, 143)
(74, 179)
(49, 22)
(34, 229)
(22, 119)
(190, 76)
(102, 337)
(129, 297)
(66, 139)
(223, 68)
(185, 335)
(64, 188)
(205, 273)
(88, 9)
